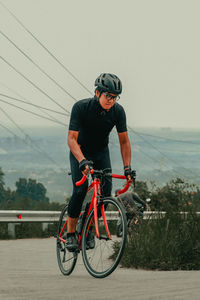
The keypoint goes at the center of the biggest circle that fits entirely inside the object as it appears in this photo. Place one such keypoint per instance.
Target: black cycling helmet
(110, 83)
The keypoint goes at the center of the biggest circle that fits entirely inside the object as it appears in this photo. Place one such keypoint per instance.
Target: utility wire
(11, 120)
(33, 144)
(152, 159)
(168, 139)
(45, 48)
(164, 155)
(29, 103)
(173, 140)
(158, 161)
(130, 128)
(58, 122)
(38, 88)
(9, 130)
(36, 65)
(148, 157)
(74, 76)
(13, 91)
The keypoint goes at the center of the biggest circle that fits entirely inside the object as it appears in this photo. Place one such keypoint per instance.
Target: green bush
(34, 230)
(3, 231)
(169, 243)
(29, 230)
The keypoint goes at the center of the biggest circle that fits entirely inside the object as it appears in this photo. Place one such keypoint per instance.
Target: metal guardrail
(15, 217)
(20, 216)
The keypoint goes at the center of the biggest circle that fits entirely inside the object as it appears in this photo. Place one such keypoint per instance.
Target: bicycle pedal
(104, 237)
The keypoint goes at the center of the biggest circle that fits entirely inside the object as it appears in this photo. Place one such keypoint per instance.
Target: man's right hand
(84, 166)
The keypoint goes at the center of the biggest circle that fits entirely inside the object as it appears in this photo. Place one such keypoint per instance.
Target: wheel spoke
(101, 260)
(66, 260)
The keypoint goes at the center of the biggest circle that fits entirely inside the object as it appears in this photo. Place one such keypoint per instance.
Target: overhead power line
(36, 65)
(31, 82)
(11, 120)
(164, 155)
(43, 117)
(33, 144)
(29, 103)
(168, 139)
(46, 49)
(157, 161)
(7, 129)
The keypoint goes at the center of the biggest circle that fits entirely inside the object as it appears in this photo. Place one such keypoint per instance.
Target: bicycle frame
(96, 184)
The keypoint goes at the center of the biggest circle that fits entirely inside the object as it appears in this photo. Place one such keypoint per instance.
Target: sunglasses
(111, 97)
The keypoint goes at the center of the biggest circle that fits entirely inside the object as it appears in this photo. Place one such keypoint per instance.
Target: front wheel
(104, 256)
(66, 260)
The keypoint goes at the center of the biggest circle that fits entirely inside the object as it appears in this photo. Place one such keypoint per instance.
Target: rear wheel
(104, 257)
(66, 260)
(119, 228)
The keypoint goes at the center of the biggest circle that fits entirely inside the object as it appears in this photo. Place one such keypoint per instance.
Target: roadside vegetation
(29, 195)
(170, 242)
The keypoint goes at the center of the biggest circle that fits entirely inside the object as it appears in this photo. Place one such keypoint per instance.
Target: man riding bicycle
(90, 124)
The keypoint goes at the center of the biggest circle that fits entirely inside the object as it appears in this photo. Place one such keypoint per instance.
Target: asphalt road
(28, 270)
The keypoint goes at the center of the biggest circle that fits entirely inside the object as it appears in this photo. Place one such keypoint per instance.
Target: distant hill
(157, 155)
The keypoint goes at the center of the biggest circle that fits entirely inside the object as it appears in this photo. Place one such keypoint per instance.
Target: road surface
(28, 270)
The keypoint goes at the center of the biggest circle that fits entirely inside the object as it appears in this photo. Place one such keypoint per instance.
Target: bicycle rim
(66, 260)
(106, 254)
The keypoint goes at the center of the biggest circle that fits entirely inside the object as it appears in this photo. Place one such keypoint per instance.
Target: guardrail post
(11, 230)
(44, 226)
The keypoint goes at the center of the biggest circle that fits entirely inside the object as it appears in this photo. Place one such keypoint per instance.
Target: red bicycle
(100, 219)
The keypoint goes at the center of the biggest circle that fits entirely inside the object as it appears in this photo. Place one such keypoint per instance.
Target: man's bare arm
(74, 146)
(125, 148)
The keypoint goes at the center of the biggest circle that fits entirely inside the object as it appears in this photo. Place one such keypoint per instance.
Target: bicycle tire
(104, 247)
(119, 230)
(66, 260)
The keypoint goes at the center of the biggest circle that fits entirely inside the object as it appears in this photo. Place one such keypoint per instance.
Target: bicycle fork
(95, 199)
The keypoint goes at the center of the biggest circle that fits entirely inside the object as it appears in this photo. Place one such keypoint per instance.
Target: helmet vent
(103, 83)
(119, 86)
(109, 83)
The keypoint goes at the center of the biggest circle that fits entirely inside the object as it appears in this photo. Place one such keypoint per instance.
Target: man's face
(107, 100)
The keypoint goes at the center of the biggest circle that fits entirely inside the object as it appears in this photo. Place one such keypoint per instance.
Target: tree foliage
(29, 195)
(177, 195)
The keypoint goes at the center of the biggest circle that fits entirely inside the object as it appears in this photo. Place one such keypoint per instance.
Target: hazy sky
(152, 45)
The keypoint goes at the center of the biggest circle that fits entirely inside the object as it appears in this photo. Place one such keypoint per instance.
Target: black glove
(129, 172)
(84, 163)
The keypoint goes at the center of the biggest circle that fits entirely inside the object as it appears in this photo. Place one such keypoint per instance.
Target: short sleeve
(121, 120)
(75, 118)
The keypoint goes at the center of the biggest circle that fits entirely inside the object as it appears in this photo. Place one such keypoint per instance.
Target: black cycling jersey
(95, 124)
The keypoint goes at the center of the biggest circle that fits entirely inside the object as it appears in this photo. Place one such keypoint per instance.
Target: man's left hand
(130, 174)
